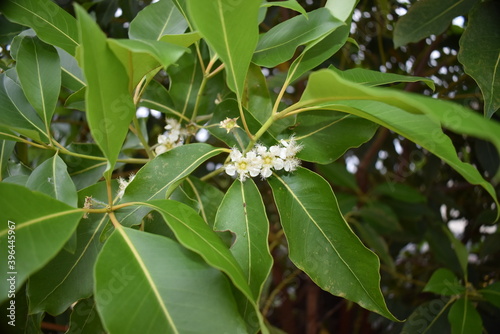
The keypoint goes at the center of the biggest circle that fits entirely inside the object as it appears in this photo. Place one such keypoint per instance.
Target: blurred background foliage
(402, 201)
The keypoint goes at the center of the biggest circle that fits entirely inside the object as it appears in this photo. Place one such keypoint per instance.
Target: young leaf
(232, 32)
(109, 105)
(427, 17)
(444, 282)
(483, 33)
(52, 178)
(160, 175)
(68, 277)
(464, 318)
(41, 226)
(341, 9)
(243, 213)
(157, 283)
(279, 43)
(322, 244)
(290, 4)
(156, 20)
(39, 71)
(52, 24)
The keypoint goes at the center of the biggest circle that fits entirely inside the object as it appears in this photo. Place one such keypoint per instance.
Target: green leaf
(207, 196)
(161, 287)
(290, 4)
(318, 51)
(460, 250)
(341, 9)
(279, 43)
(156, 20)
(426, 318)
(492, 293)
(6, 149)
(184, 40)
(41, 226)
(374, 241)
(39, 71)
(322, 244)
(372, 78)
(109, 105)
(142, 57)
(444, 282)
(159, 177)
(243, 213)
(68, 277)
(85, 319)
(327, 135)
(17, 114)
(337, 174)
(257, 99)
(464, 318)
(52, 24)
(325, 87)
(84, 172)
(232, 32)
(428, 17)
(52, 178)
(194, 234)
(480, 52)
(71, 73)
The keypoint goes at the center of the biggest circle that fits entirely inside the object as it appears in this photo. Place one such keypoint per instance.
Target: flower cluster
(173, 136)
(262, 160)
(122, 185)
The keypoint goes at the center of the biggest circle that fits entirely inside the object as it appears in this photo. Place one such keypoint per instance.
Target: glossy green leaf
(464, 318)
(156, 20)
(341, 9)
(161, 287)
(232, 32)
(39, 71)
(290, 4)
(17, 114)
(52, 178)
(184, 40)
(142, 57)
(325, 87)
(372, 78)
(428, 17)
(52, 24)
(160, 176)
(444, 282)
(207, 196)
(337, 174)
(41, 226)
(193, 233)
(84, 172)
(279, 43)
(243, 213)
(68, 277)
(85, 319)
(483, 33)
(327, 135)
(318, 51)
(256, 98)
(71, 73)
(109, 105)
(322, 244)
(492, 293)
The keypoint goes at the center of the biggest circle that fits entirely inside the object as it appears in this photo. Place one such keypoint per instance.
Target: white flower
(166, 143)
(244, 165)
(290, 148)
(270, 159)
(291, 164)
